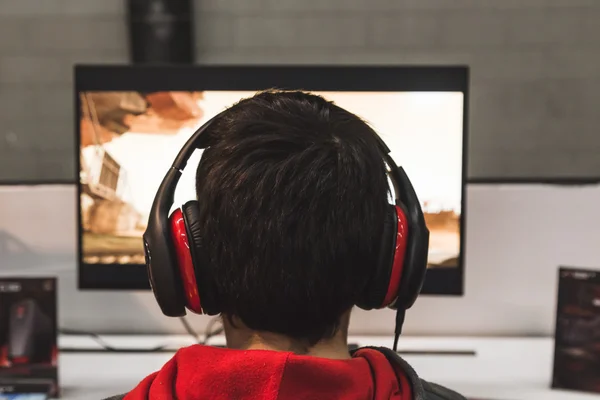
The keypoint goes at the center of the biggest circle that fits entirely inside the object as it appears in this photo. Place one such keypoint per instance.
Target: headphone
(180, 279)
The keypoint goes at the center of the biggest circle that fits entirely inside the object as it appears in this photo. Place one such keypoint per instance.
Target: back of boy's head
(292, 196)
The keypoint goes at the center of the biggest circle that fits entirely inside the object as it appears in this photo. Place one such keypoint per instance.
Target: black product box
(577, 341)
(28, 333)
(23, 392)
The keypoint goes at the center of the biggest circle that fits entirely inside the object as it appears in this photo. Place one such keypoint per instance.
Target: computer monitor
(131, 121)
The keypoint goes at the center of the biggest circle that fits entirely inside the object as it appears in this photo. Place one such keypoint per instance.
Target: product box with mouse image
(577, 344)
(28, 339)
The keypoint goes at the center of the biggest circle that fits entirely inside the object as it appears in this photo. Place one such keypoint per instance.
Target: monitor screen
(130, 132)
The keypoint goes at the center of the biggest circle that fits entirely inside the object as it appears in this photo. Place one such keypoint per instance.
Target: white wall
(517, 236)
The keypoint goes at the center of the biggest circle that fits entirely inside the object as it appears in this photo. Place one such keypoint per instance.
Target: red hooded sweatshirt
(202, 372)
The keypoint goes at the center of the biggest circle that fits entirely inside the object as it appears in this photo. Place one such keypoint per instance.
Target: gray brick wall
(535, 68)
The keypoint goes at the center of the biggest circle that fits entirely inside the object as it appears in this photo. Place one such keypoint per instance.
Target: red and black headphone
(180, 280)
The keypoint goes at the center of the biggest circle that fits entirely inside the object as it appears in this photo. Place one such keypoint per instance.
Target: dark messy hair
(292, 195)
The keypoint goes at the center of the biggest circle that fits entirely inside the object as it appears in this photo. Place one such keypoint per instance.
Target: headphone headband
(165, 194)
(194, 142)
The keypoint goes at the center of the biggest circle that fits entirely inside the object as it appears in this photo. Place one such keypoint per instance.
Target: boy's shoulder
(434, 391)
(422, 390)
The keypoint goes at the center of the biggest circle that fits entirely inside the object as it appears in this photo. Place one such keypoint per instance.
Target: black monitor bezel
(439, 281)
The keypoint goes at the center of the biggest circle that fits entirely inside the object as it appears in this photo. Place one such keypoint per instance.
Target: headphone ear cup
(399, 265)
(384, 284)
(162, 268)
(417, 243)
(415, 263)
(204, 282)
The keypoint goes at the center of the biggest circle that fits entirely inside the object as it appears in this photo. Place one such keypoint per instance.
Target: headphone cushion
(185, 265)
(376, 290)
(415, 263)
(399, 264)
(192, 223)
(206, 287)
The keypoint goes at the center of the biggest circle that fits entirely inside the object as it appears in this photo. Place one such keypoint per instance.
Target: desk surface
(502, 369)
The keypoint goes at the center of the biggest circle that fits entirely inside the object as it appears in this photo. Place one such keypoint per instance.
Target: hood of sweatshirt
(204, 372)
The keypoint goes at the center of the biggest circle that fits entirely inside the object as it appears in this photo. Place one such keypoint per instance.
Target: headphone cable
(400, 314)
(108, 348)
(189, 330)
(103, 344)
(209, 332)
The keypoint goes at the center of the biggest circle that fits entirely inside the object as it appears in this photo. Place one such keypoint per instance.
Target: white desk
(503, 369)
